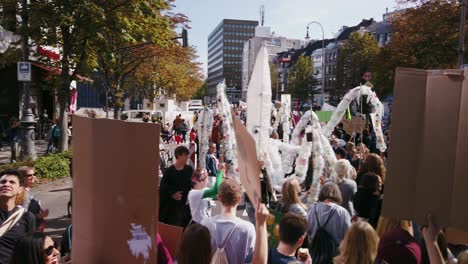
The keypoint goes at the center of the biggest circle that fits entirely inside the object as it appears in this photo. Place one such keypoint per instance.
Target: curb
(46, 186)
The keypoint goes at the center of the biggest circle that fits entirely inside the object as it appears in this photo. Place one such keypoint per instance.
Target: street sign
(367, 76)
(24, 71)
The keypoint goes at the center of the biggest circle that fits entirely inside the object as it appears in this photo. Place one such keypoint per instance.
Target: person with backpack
(232, 239)
(327, 224)
(15, 221)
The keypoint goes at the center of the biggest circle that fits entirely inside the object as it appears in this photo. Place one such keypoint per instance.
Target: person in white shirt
(199, 198)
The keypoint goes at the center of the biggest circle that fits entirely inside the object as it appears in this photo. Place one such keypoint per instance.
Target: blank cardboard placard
(248, 162)
(115, 191)
(427, 120)
(459, 212)
(406, 141)
(172, 237)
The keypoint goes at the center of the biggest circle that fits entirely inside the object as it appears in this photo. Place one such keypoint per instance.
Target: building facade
(225, 49)
(274, 46)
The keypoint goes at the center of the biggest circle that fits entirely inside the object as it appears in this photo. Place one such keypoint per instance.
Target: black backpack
(323, 247)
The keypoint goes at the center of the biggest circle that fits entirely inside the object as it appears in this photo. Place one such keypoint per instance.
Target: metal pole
(323, 55)
(27, 118)
(461, 45)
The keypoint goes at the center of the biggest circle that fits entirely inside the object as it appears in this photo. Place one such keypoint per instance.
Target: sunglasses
(30, 175)
(50, 250)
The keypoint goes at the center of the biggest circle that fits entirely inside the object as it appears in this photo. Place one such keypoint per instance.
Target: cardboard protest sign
(356, 124)
(115, 191)
(424, 163)
(248, 166)
(172, 237)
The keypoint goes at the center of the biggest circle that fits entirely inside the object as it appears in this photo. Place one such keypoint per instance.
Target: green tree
(100, 35)
(301, 81)
(274, 80)
(201, 91)
(425, 37)
(355, 58)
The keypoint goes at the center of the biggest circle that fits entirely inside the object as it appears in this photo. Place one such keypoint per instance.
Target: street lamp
(323, 54)
(27, 118)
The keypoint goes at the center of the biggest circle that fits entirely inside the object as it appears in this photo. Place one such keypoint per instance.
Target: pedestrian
(368, 200)
(359, 245)
(183, 130)
(176, 124)
(212, 163)
(49, 137)
(327, 224)
(195, 246)
(353, 156)
(175, 186)
(291, 202)
(387, 224)
(15, 137)
(292, 234)
(30, 203)
(344, 177)
(37, 248)
(200, 195)
(229, 233)
(373, 163)
(18, 222)
(216, 135)
(340, 153)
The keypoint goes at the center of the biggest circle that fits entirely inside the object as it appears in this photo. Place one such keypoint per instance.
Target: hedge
(52, 166)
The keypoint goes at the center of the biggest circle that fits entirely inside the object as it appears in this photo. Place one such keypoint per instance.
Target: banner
(249, 169)
(427, 168)
(115, 191)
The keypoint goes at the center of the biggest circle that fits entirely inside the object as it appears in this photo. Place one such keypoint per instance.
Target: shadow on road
(61, 190)
(56, 226)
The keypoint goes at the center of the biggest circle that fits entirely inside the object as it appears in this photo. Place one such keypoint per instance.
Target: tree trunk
(118, 103)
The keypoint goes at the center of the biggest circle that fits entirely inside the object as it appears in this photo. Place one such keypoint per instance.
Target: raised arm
(213, 191)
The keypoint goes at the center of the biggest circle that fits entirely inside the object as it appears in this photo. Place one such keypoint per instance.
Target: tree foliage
(172, 70)
(424, 37)
(274, 79)
(301, 81)
(356, 57)
(201, 91)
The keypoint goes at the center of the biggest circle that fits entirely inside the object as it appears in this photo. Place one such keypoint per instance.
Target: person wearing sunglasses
(37, 248)
(30, 203)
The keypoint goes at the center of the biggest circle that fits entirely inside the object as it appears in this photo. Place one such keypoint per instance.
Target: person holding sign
(175, 186)
(198, 197)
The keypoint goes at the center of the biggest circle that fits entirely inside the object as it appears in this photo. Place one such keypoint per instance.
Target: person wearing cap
(199, 196)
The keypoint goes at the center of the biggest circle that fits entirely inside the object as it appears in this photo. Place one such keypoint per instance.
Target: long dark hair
(195, 246)
(30, 249)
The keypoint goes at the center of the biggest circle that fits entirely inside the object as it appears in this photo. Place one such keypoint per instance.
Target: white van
(137, 115)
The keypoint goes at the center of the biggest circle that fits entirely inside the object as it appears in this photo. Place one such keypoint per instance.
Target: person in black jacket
(175, 185)
(368, 201)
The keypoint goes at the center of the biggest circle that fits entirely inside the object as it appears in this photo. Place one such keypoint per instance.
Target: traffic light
(184, 38)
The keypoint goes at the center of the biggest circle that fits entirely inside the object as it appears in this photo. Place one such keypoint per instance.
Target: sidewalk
(55, 196)
(5, 154)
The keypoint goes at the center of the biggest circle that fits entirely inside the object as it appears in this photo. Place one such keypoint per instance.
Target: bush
(52, 166)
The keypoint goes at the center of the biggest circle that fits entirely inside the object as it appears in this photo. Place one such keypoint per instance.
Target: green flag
(348, 113)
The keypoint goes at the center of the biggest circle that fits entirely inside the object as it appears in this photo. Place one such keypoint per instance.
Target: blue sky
(287, 18)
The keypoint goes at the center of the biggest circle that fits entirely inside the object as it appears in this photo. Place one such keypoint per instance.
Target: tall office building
(225, 46)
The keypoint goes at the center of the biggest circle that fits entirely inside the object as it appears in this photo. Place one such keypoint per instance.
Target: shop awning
(58, 71)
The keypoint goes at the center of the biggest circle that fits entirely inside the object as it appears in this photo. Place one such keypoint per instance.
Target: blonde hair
(387, 224)
(289, 193)
(344, 170)
(463, 257)
(359, 245)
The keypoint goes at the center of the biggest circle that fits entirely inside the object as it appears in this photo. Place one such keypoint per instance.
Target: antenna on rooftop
(262, 15)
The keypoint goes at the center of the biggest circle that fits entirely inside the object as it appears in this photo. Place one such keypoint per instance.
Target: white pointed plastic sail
(259, 101)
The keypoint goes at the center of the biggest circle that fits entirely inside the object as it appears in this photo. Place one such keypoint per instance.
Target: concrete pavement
(5, 154)
(55, 196)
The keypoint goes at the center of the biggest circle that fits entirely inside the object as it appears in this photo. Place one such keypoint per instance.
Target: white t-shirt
(242, 241)
(199, 208)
